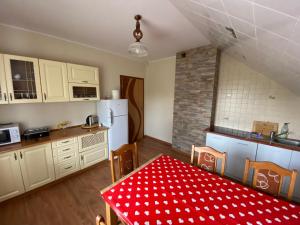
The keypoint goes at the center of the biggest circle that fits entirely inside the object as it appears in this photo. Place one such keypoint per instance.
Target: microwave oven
(9, 134)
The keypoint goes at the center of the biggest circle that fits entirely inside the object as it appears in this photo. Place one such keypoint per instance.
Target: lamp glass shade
(138, 49)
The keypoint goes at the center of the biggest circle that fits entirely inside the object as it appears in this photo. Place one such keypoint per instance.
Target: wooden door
(37, 166)
(10, 176)
(22, 79)
(3, 90)
(132, 88)
(54, 79)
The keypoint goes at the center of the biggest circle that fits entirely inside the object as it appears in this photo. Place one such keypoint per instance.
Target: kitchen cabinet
(295, 165)
(92, 157)
(22, 79)
(236, 151)
(280, 156)
(37, 166)
(83, 74)
(84, 92)
(3, 89)
(54, 80)
(10, 176)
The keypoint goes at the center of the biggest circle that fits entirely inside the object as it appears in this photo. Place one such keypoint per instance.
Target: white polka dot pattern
(170, 192)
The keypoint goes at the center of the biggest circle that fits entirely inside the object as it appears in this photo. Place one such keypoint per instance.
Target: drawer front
(66, 168)
(71, 156)
(91, 141)
(92, 157)
(64, 142)
(65, 150)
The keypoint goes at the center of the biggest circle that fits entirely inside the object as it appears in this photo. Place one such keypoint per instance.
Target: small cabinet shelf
(22, 79)
(83, 92)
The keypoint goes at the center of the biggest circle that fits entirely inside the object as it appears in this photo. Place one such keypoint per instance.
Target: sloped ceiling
(267, 33)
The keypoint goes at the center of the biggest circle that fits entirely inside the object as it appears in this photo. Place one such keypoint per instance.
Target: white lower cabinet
(37, 166)
(236, 151)
(295, 165)
(11, 182)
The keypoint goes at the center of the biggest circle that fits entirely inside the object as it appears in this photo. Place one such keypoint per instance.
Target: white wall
(21, 42)
(159, 98)
(245, 95)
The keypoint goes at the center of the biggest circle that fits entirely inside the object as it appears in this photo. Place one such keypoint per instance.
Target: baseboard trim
(158, 140)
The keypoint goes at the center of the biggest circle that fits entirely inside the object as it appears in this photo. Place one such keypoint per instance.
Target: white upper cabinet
(3, 90)
(54, 79)
(11, 183)
(22, 79)
(37, 166)
(83, 74)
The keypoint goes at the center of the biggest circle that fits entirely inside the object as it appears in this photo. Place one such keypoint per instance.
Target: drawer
(92, 157)
(65, 149)
(66, 168)
(71, 156)
(64, 142)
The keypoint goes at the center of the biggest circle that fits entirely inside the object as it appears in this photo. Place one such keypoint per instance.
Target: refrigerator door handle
(111, 117)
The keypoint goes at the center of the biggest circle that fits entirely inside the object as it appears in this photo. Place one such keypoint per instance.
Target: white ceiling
(268, 31)
(106, 24)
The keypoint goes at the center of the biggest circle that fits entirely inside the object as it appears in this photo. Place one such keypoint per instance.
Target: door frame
(138, 78)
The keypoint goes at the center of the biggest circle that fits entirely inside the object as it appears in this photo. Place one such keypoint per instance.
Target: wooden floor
(76, 200)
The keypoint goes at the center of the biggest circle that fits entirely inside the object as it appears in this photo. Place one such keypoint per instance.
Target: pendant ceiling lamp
(137, 48)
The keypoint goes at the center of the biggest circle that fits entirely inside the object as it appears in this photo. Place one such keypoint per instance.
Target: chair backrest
(127, 156)
(100, 220)
(207, 158)
(268, 177)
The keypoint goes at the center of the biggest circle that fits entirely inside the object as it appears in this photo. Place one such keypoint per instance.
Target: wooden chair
(268, 177)
(207, 158)
(100, 220)
(127, 160)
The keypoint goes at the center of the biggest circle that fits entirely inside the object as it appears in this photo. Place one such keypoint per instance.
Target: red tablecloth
(168, 191)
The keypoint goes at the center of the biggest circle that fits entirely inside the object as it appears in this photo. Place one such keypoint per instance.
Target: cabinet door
(218, 142)
(295, 165)
(84, 92)
(237, 153)
(280, 156)
(54, 79)
(37, 166)
(83, 74)
(92, 157)
(23, 79)
(3, 90)
(10, 176)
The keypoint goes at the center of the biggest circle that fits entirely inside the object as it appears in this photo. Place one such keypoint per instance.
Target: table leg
(111, 217)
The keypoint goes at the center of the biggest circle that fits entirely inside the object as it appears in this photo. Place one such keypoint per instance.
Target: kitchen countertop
(55, 135)
(248, 136)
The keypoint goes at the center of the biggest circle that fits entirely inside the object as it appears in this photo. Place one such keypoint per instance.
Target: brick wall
(195, 95)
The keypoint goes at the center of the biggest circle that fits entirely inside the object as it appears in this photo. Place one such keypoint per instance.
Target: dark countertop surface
(249, 136)
(55, 135)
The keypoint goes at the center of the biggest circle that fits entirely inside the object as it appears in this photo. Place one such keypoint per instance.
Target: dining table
(167, 191)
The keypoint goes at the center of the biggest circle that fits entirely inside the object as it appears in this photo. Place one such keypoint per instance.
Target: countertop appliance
(114, 115)
(36, 133)
(9, 133)
(91, 120)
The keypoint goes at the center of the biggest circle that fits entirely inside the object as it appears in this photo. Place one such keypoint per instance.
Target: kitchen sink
(292, 142)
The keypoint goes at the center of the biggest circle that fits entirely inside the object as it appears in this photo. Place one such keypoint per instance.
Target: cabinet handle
(15, 156)
(239, 143)
(4, 95)
(69, 167)
(64, 142)
(86, 99)
(45, 96)
(67, 149)
(84, 81)
(10, 94)
(81, 158)
(21, 155)
(67, 157)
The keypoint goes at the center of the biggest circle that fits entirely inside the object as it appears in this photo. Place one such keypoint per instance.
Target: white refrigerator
(114, 115)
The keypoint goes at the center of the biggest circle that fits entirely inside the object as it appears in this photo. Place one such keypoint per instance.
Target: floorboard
(76, 200)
